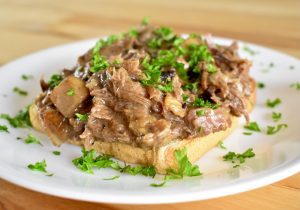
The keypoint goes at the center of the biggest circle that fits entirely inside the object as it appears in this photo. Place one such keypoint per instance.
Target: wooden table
(28, 25)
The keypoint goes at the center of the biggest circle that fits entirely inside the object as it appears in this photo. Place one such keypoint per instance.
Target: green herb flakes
(30, 139)
(249, 50)
(185, 167)
(273, 103)
(55, 80)
(21, 120)
(81, 117)
(221, 145)
(57, 153)
(71, 92)
(90, 160)
(200, 112)
(40, 167)
(274, 129)
(158, 184)
(276, 116)
(26, 77)
(185, 98)
(261, 85)
(112, 178)
(145, 21)
(4, 129)
(247, 133)
(252, 126)
(20, 91)
(239, 158)
(295, 85)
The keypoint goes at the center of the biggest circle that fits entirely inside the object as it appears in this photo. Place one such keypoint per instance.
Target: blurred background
(30, 25)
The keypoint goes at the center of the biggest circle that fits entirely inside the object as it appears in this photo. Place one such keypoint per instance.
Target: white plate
(277, 156)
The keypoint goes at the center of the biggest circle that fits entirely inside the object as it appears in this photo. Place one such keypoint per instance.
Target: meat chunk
(173, 105)
(68, 95)
(211, 120)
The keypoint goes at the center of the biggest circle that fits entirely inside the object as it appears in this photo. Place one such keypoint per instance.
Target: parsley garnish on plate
(249, 50)
(273, 103)
(20, 91)
(21, 120)
(56, 153)
(274, 129)
(261, 85)
(252, 126)
(185, 167)
(221, 145)
(4, 129)
(40, 167)
(90, 160)
(247, 133)
(295, 85)
(158, 184)
(26, 77)
(238, 158)
(30, 139)
(112, 178)
(276, 116)
(81, 117)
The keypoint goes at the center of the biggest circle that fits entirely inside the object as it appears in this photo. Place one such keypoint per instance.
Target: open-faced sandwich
(141, 95)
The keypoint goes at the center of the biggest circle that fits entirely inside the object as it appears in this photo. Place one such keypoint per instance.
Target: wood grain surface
(27, 26)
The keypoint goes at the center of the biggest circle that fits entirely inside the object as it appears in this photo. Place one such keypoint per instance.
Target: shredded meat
(120, 106)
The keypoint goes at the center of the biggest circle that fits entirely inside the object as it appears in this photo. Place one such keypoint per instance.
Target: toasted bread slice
(162, 157)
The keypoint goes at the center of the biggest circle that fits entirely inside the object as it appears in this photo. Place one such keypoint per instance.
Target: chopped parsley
(247, 133)
(238, 158)
(56, 153)
(81, 117)
(274, 129)
(261, 85)
(112, 178)
(200, 112)
(4, 129)
(276, 116)
(190, 86)
(26, 77)
(99, 62)
(158, 184)
(273, 103)
(145, 21)
(185, 167)
(55, 80)
(200, 102)
(20, 91)
(166, 88)
(252, 126)
(71, 92)
(30, 139)
(295, 85)
(185, 98)
(21, 120)
(271, 64)
(221, 145)
(90, 160)
(249, 50)
(40, 167)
